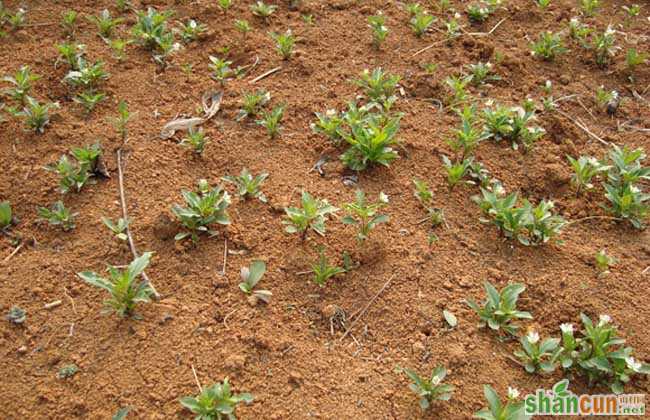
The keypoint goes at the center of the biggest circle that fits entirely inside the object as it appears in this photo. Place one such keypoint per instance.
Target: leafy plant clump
(21, 83)
(216, 402)
(6, 216)
(513, 123)
(118, 228)
(497, 410)
(250, 276)
(364, 214)
(430, 389)
(205, 207)
(537, 356)
(528, 224)
(248, 186)
(322, 269)
(151, 32)
(499, 310)
(35, 114)
(311, 215)
(73, 175)
(16, 315)
(58, 215)
(123, 286)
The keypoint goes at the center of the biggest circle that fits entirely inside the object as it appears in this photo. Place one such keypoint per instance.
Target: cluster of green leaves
(221, 69)
(530, 225)
(253, 103)
(322, 269)
(370, 142)
(513, 409)
(284, 43)
(105, 23)
(252, 275)
(604, 46)
(58, 215)
(69, 22)
(457, 87)
(420, 22)
(538, 356)
(623, 187)
(6, 215)
(75, 174)
(196, 140)
(123, 286)
(469, 135)
(271, 120)
(191, 30)
(311, 215)
(589, 7)
(365, 215)
(21, 83)
(86, 77)
(262, 9)
(377, 24)
(548, 46)
(216, 402)
(16, 315)
(500, 308)
(435, 215)
(429, 389)
(152, 32)
(36, 115)
(599, 354)
(478, 12)
(205, 207)
(456, 170)
(378, 85)
(248, 186)
(584, 169)
(481, 73)
(118, 228)
(513, 123)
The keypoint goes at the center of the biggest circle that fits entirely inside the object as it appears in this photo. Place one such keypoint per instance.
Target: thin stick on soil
(196, 378)
(491, 30)
(363, 311)
(263, 75)
(14, 252)
(134, 251)
(582, 127)
(428, 47)
(646, 270)
(225, 256)
(618, 219)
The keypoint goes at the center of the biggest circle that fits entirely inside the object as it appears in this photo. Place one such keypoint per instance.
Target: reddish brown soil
(284, 353)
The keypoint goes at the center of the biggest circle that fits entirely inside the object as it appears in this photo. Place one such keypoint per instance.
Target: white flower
(567, 328)
(513, 393)
(456, 15)
(610, 31)
(533, 337)
(574, 20)
(435, 380)
(633, 364)
(604, 320)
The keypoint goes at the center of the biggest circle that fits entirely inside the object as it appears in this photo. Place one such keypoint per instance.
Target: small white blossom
(513, 393)
(633, 364)
(567, 328)
(533, 337)
(604, 320)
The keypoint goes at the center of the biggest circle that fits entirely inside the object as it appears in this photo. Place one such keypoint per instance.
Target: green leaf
(138, 265)
(121, 413)
(493, 400)
(257, 269)
(94, 279)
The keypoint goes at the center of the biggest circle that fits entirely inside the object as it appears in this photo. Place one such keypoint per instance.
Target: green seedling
(537, 356)
(604, 261)
(89, 100)
(17, 20)
(205, 207)
(364, 214)
(500, 309)
(105, 23)
(221, 70)
(250, 276)
(252, 103)
(152, 33)
(323, 271)
(191, 30)
(456, 171)
(458, 87)
(16, 315)
(119, 228)
(35, 114)
(311, 215)
(248, 186)
(21, 83)
(196, 140)
(329, 123)
(429, 390)
(271, 120)
(263, 10)
(579, 31)
(225, 5)
(377, 24)
(482, 73)
(584, 169)
(370, 143)
(122, 120)
(70, 53)
(86, 76)
(589, 7)
(548, 46)
(216, 402)
(511, 410)
(284, 43)
(123, 286)
(478, 13)
(414, 9)
(118, 46)
(469, 135)
(377, 85)
(634, 59)
(604, 46)
(69, 22)
(6, 216)
(122, 5)
(543, 4)
(422, 192)
(243, 26)
(421, 22)
(59, 215)
(74, 175)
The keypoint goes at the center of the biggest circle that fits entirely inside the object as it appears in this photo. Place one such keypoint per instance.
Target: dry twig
(363, 311)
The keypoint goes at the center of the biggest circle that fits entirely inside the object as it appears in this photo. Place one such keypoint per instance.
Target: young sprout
(22, 84)
(250, 276)
(69, 22)
(603, 97)
(633, 59)
(123, 118)
(378, 85)
(548, 46)
(538, 356)
(456, 171)
(481, 73)
(195, 140)
(584, 169)
(511, 410)
(603, 46)
(35, 114)
(284, 43)
(478, 13)
(105, 23)
(308, 19)
(70, 52)
(421, 22)
(453, 27)
(221, 70)
(458, 87)
(379, 30)
(16, 315)
(252, 103)
(311, 215)
(429, 390)
(151, 32)
(76, 175)
(370, 143)
(364, 214)
(204, 208)
(500, 308)
(191, 30)
(122, 5)
(543, 4)
(243, 26)
(422, 192)
(225, 5)
(215, 402)
(589, 7)
(632, 11)
(59, 215)
(6, 216)
(17, 20)
(579, 31)
(271, 120)
(89, 100)
(118, 228)
(604, 261)
(85, 75)
(329, 123)
(322, 269)
(248, 186)
(118, 46)
(123, 286)
(263, 10)
(469, 135)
